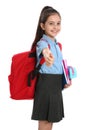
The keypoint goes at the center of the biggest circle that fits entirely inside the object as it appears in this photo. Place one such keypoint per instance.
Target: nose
(57, 26)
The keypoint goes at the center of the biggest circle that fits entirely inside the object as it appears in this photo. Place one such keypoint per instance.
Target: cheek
(59, 27)
(47, 28)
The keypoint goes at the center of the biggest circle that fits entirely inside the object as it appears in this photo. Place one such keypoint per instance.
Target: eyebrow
(57, 21)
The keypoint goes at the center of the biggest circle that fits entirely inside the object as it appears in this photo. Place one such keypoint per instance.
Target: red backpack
(23, 76)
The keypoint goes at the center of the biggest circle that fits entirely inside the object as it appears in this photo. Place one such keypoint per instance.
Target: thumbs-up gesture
(49, 58)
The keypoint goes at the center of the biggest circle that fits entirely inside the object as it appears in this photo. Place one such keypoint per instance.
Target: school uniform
(48, 100)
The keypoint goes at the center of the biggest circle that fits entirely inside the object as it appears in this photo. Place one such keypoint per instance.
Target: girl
(48, 101)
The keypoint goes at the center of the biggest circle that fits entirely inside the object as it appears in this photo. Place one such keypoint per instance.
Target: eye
(51, 23)
(59, 23)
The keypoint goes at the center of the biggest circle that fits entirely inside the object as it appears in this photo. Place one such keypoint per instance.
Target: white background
(18, 23)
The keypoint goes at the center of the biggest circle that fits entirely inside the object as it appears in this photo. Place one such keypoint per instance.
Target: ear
(42, 26)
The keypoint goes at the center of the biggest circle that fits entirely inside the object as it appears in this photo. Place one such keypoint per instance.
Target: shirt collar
(49, 39)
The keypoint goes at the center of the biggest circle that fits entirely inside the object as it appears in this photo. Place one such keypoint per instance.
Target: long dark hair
(45, 13)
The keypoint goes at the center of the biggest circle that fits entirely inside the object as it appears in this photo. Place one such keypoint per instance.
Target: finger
(66, 86)
(51, 58)
(48, 64)
(49, 61)
(51, 55)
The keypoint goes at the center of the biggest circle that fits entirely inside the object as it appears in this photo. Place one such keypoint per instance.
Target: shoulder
(42, 43)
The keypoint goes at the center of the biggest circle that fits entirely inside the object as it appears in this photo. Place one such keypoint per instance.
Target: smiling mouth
(54, 31)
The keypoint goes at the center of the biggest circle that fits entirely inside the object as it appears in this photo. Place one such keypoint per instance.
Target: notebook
(69, 72)
(66, 72)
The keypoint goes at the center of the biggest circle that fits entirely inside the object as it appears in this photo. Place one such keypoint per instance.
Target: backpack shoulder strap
(60, 45)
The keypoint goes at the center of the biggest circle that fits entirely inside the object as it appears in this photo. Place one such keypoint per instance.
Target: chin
(53, 36)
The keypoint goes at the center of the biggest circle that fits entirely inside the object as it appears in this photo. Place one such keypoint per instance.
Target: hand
(49, 59)
(68, 85)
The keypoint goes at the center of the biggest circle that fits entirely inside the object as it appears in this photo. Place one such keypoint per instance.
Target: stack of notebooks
(69, 72)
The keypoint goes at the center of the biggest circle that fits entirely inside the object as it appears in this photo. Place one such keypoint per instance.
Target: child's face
(52, 26)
